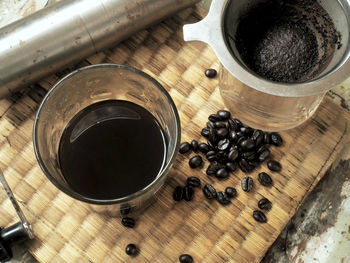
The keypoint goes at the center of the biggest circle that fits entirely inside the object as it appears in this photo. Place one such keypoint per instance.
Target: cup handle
(206, 29)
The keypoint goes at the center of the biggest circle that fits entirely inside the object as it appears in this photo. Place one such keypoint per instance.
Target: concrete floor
(320, 230)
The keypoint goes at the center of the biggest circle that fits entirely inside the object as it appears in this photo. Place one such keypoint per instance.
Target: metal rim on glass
(130, 197)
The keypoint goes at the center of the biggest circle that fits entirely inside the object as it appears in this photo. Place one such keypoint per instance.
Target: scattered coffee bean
(223, 144)
(247, 145)
(231, 192)
(264, 155)
(213, 168)
(209, 191)
(222, 173)
(264, 204)
(222, 132)
(233, 155)
(184, 147)
(203, 147)
(223, 198)
(244, 166)
(178, 193)
(193, 181)
(220, 124)
(231, 166)
(265, 179)
(247, 184)
(185, 258)
(274, 166)
(276, 139)
(214, 118)
(131, 250)
(188, 193)
(205, 132)
(259, 216)
(128, 222)
(195, 161)
(194, 145)
(210, 73)
(224, 114)
(125, 209)
(266, 138)
(213, 137)
(249, 156)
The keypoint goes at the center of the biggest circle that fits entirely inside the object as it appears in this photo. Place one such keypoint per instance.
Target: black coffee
(111, 149)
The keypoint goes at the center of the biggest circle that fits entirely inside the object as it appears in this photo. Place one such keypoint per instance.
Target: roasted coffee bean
(241, 139)
(233, 125)
(233, 147)
(214, 117)
(256, 134)
(258, 137)
(240, 134)
(223, 144)
(274, 166)
(261, 149)
(222, 132)
(128, 222)
(276, 139)
(184, 147)
(213, 168)
(195, 161)
(264, 155)
(231, 166)
(231, 192)
(247, 145)
(188, 193)
(211, 155)
(253, 164)
(223, 198)
(265, 179)
(205, 132)
(213, 137)
(244, 166)
(210, 73)
(266, 138)
(264, 204)
(247, 184)
(203, 147)
(211, 145)
(194, 145)
(178, 193)
(224, 114)
(249, 156)
(193, 181)
(209, 191)
(125, 209)
(221, 156)
(131, 250)
(220, 124)
(238, 122)
(222, 173)
(259, 216)
(212, 158)
(233, 155)
(232, 135)
(210, 124)
(246, 130)
(185, 258)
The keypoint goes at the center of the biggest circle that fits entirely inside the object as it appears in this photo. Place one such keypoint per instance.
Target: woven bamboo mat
(66, 231)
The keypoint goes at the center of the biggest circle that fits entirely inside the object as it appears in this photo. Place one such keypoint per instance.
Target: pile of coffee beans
(230, 145)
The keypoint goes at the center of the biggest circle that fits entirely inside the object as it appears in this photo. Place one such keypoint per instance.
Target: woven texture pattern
(66, 231)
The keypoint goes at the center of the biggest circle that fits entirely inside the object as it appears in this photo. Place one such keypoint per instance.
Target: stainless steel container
(69, 31)
(256, 101)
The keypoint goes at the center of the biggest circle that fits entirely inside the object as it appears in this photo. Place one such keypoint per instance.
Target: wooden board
(66, 231)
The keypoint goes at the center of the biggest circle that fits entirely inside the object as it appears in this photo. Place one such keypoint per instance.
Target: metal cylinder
(69, 31)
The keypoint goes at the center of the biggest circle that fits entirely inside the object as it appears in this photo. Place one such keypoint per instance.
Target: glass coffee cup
(95, 84)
